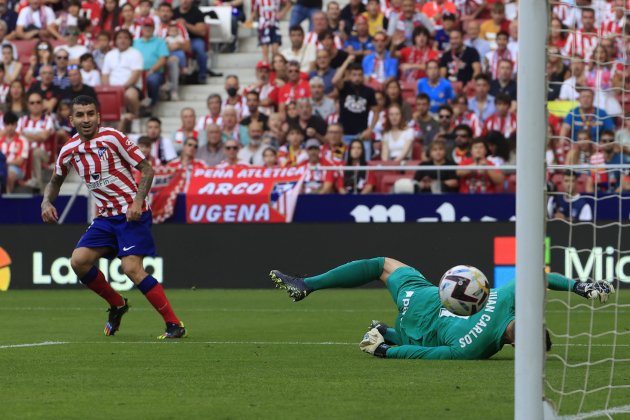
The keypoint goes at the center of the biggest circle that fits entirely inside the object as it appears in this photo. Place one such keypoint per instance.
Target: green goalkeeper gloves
(374, 343)
(599, 289)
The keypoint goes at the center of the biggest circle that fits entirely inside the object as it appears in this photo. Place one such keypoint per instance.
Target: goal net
(587, 372)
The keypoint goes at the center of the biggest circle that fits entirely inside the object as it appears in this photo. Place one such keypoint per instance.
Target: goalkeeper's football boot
(115, 316)
(295, 286)
(173, 331)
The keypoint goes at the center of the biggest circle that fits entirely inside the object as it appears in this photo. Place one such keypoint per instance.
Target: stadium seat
(111, 100)
(416, 152)
(25, 48)
(387, 182)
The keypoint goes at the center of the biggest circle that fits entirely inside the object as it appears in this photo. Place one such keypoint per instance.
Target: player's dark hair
(10, 118)
(296, 28)
(84, 100)
(155, 119)
(144, 140)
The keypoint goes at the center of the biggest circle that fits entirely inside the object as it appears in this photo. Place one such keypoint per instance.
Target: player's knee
(80, 264)
(134, 271)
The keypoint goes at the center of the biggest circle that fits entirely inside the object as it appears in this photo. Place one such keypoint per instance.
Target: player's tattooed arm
(49, 212)
(146, 180)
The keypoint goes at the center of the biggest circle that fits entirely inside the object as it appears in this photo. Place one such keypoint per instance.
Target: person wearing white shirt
(74, 49)
(299, 51)
(33, 21)
(398, 138)
(568, 91)
(123, 67)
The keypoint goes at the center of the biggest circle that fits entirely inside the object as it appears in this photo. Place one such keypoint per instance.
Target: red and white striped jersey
(242, 110)
(472, 120)
(161, 31)
(203, 122)
(492, 61)
(505, 125)
(568, 14)
(311, 38)
(4, 91)
(580, 44)
(315, 176)
(267, 12)
(612, 27)
(332, 118)
(105, 163)
(28, 125)
(15, 148)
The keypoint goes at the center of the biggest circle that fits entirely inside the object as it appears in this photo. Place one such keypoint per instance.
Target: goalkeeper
(424, 329)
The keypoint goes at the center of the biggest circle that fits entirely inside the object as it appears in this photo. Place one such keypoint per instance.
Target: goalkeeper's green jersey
(426, 330)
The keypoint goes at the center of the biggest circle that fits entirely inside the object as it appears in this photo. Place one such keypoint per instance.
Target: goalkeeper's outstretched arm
(599, 289)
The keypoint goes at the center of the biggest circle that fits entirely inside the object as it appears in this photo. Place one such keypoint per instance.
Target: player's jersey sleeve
(63, 163)
(128, 151)
(559, 282)
(409, 351)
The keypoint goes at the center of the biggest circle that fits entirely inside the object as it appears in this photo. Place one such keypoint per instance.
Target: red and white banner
(243, 194)
(168, 182)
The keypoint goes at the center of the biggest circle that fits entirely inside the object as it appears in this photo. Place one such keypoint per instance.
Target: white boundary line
(44, 343)
(598, 413)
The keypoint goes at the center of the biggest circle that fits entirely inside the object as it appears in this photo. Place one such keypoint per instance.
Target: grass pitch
(256, 354)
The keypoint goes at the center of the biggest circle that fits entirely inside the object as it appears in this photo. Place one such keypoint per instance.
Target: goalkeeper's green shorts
(407, 279)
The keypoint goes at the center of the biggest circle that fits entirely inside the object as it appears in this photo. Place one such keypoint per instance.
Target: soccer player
(424, 329)
(103, 157)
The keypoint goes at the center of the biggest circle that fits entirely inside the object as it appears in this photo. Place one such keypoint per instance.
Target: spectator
(460, 63)
(474, 40)
(63, 129)
(498, 148)
(123, 67)
(187, 129)
(425, 126)
(582, 150)
(12, 68)
(320, 24)
(238, 101)
(15, 148)
(355, 102)
(278, 74)
(337, 56)
(322, 105)
(73, 48)
(502, 120)
(361, 43)
(33, 21)
(214, 113)
(441, 36)
(267, 91)
(323, 71)
(178, 42)
(110, 16)
(16, 99)
(231, 148)
(46, 89)
(300, 51)
(586, 117)
(333, 13)
(212, 154)
(252, 152)
(463, 139)
(128, 21)
(557, 33)
(312, 126)
(436, 9)
(465, 116)
(154, 55)
(570, 206)
(569, 88)
(161, 147)
(8, 15)
(501, 52)
(375, 18)
(65, 19)
(582, 42)
(491, 27)
(614, 23)
(276, 133)
(60, 73)
(379, 66)
(504, 83)
(144, 144)
(358, 181)
(37, 127)
(334, 150)
(295, 88)
(438, 89)
(292, 153)
(269, 14)
(605, 180)
(192, 19)
(349, 15)
(101, 48)
(77, 87)
(89, 73)
(253, 106)
(316, 178)
(187, 160)
(437, 181)
(605, 81)
(401, 26)
(380, 116)
(230, 126)
(42, 55)
(398, 138)
(270, 157)
(304, 9)
(91, 10)
(414, 59)
(482, 104)
(473, 181)
(393, 95)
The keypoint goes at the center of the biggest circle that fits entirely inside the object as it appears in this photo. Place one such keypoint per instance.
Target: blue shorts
(125, 238)
(269, 35)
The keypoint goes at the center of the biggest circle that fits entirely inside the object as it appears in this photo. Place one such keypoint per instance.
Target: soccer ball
(464, 290)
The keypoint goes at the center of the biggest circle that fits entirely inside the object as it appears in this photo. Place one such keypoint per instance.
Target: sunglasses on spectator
(444, 116)
(34, 102)
(608, 140)
(231, 147)
(62, 57)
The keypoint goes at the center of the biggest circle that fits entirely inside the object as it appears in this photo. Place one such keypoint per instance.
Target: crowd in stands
(400, 82)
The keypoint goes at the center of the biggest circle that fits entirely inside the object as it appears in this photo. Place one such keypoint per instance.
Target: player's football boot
(295, 286)
(173, 331)
(115, 316)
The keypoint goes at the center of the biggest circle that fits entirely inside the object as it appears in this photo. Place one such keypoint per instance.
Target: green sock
(352, 274)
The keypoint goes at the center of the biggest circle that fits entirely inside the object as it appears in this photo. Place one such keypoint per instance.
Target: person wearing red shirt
(413, 59)
(436, 8)
(316, 180)
(187, 160)
(334, 149)
(355, 182)
(474, 181)
(502, 120)
(292, 153)
(295, 88)
(15, 149)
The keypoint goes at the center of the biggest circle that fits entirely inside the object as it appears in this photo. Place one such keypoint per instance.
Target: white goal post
(530, 207)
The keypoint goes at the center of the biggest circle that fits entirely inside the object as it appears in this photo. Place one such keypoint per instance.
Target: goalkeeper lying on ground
(424, 329)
